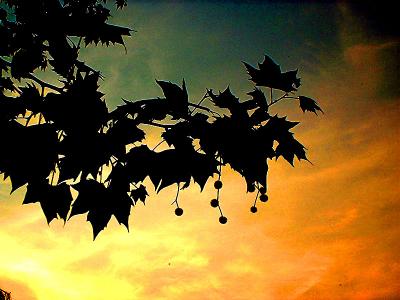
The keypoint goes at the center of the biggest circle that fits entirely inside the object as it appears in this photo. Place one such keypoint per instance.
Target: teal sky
(205, 42)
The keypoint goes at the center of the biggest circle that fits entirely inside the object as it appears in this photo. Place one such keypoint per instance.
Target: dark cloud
(390, 84)
(380, 18)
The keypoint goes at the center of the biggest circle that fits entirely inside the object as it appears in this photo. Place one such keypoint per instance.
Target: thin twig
(285, 96)
(176, 197)
(156, 146)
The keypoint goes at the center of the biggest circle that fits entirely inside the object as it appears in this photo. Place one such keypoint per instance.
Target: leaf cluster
(66, 138)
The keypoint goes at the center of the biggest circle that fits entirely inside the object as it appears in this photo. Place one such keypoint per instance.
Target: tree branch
(37, 80)
(285, 96)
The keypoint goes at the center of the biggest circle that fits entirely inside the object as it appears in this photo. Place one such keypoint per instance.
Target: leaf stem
(255, 200)
(176, 197)
(285, 96)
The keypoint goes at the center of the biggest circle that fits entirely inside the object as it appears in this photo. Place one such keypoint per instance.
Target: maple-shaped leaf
(308, 104)
(140, 163)
(93, 198)
(277, 127)
(177, 98)
(260, 103)
(123, 209)
(54, 200)
(139, 193)
(225, 99)
(202, 167)
(118, 186)
(289, 147)
(259, 98)
(105, 33)
(269, 74)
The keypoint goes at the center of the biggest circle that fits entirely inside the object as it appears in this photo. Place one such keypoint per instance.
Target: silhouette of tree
(58, 138)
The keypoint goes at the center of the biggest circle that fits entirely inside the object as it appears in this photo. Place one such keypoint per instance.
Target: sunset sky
(330, 229)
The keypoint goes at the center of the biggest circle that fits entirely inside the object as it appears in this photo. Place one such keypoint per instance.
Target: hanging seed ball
(251, 188)
(214, 203)
(263, 190)
(253, 209)
(218, 184)
(264, 198)
(179, 211)
(223, 219)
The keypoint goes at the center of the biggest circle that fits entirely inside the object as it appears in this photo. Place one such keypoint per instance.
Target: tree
(51, 152)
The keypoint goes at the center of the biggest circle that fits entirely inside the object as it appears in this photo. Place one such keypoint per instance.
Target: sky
(330, 229)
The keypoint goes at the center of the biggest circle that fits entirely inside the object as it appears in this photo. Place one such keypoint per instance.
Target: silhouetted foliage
(58, 138)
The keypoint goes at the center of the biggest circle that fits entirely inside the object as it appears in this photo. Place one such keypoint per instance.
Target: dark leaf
(225, 99)
(97, 200)
(269, 74)
(54, 200)
(308, 104)
(140, 163)
(290, 147)
(202, 167)
(139, 193)
(259, 98)
(177, 98)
